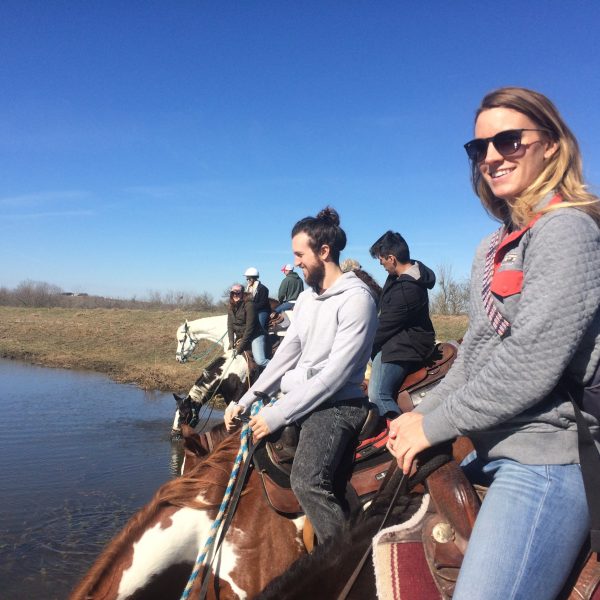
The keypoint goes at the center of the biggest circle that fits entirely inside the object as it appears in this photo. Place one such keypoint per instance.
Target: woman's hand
(407, 439)
(231, 412)
(259, 427)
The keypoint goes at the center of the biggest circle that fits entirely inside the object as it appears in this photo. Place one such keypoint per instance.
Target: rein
(233, 490)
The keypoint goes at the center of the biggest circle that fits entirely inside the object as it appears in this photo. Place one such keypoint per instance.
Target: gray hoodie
(323, 355)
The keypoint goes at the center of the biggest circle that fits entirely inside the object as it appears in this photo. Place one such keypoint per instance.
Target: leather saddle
(448, 525)
(273, 461)
(416, 385)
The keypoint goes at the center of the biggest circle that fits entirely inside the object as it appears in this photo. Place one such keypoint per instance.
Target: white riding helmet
(251, 272)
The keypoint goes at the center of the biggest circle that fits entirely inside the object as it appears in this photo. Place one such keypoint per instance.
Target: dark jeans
(327, 439)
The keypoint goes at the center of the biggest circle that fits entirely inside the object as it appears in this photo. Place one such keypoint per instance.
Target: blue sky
(166, 146)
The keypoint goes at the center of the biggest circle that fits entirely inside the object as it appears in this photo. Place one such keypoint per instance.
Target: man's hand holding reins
(259, 427)
(231, 413)
(407, 439)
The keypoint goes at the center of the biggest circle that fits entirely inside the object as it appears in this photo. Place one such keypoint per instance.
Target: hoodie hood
(348, 281)
(419, 274)
(292, 275)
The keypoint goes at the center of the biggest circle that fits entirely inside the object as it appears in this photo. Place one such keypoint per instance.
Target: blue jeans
(258, 350)
(263, 317)
(259, 343)
(530, 528)
(386, 379)
(323, 461)
(284, 306)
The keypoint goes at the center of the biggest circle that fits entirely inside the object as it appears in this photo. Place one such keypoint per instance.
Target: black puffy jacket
(405, 331)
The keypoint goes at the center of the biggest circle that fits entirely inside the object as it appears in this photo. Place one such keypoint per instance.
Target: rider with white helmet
(260, 297)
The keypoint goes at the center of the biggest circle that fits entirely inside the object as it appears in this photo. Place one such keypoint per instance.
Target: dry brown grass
(131, 346)
(450, 327)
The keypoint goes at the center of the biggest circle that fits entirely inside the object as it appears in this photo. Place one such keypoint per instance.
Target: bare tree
(452, 296)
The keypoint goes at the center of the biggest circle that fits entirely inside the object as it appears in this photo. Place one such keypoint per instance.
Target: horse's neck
(213, 329)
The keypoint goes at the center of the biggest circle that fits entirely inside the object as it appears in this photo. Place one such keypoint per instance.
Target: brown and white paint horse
(153, 556)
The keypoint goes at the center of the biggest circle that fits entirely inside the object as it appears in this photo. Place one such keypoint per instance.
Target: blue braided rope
(201, 560)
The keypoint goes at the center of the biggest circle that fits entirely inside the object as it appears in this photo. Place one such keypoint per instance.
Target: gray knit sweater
(500, 391)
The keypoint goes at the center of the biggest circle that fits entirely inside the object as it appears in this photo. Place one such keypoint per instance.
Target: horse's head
(186, 343)
(188, 410)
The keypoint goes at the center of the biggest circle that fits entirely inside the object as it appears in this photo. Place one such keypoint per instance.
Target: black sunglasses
(506, 142)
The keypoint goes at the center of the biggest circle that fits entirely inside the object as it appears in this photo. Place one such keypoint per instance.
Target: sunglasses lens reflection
(507, 142)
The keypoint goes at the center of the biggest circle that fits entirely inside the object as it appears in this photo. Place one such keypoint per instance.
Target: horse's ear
(178, 399)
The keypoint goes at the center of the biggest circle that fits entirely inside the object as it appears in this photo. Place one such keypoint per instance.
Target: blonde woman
(535, 293)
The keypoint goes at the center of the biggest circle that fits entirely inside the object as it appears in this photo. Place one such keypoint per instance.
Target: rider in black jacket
(405, 336)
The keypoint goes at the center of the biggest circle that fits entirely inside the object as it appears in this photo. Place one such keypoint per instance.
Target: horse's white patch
(161, 547)
(299, 523)
(226, 562)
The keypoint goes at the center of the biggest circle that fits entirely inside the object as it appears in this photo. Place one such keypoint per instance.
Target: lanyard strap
(499, 323)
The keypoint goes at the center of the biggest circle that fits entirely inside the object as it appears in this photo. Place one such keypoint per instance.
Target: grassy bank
(131, 346)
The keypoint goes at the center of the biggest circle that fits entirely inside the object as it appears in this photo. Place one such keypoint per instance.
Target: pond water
(78, 455)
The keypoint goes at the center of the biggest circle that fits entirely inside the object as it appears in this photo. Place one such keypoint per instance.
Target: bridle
(182, 354)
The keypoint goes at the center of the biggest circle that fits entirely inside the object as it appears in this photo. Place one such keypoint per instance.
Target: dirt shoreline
(130, 346)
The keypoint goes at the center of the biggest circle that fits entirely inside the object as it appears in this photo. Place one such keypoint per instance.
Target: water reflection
(78, 455)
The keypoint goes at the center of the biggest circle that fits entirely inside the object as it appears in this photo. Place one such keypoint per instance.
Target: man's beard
(315, 276)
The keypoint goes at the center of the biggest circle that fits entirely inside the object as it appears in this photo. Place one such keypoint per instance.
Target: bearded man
(319, 369)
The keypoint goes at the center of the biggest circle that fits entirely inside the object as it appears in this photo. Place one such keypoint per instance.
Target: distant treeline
(39, 294)
(451, 297)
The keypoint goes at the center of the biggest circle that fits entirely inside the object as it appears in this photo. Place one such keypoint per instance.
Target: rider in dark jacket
(405, 337)
(289, 290)
(242, 322)
(405, 331)
(259, 295)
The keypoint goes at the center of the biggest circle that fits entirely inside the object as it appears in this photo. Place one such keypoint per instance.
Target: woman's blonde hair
(563, 173)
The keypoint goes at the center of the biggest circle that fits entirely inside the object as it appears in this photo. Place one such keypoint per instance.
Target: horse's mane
(212, 472)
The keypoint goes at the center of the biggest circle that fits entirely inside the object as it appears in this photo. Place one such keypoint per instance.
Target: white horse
(213, 329)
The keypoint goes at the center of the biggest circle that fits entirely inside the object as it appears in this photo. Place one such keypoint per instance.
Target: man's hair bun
(329, 215)
(323, 229)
